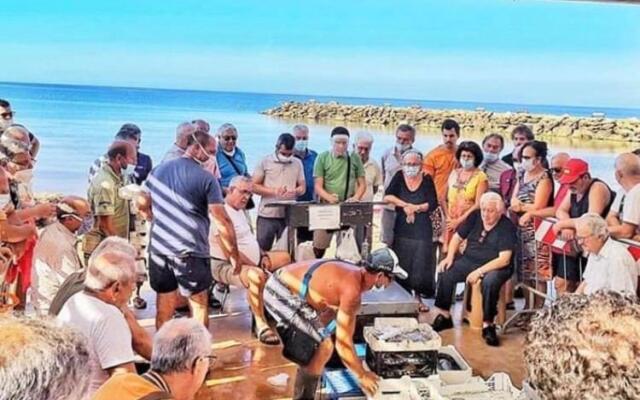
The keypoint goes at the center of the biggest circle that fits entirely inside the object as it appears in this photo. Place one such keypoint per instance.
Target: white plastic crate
(398, 325)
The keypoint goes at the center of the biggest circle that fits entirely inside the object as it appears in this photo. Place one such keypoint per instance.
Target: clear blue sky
(529, 51)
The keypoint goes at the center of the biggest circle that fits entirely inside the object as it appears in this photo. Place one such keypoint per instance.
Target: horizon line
(593, 108)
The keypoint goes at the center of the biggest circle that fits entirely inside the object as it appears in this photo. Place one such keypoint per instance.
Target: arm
(141, 340)
(361, 187)
(323, 194)
(541, 199)
(143, 203)
(105, 224)
(598, 198)
(503, 260)
(16, 233)
(623, 231)
(454, 245)
(43, 210)
(346, 325)
(227, 234)
(260, 189)
(581, 288)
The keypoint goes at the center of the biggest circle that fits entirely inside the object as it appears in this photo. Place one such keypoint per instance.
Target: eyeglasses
(212, 359)
(7, 115)
(230, 138)
(556, 170)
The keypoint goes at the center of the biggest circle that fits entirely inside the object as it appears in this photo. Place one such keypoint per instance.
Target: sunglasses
(483, 236)
(7, 115)
(230, 138)
(556, 170)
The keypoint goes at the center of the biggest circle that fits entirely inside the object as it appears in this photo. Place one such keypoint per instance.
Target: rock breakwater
(480, 121)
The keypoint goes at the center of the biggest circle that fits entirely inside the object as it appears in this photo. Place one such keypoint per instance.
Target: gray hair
(225, 128)
(239, 179)
(413, 152)
(585, 346)
(184, 130)
(178, 344)
(108, 268)
(363, 136)
(113, 243)
(492, 197)
(300, 127)
(40, 360)
(595, 223)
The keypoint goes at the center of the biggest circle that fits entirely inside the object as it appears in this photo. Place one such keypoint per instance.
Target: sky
(526, 51)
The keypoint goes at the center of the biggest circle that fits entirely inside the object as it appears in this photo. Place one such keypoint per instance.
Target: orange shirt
(125, 386)
(439, 163)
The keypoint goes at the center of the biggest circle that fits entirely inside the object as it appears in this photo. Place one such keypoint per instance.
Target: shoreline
(479, 122)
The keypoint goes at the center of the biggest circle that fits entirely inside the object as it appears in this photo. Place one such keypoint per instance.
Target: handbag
(348, 247)
(250, 204)
(297, 345)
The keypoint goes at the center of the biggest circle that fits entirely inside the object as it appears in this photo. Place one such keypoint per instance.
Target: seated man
(610, 266)
(250, 270)
(585, 347)
(491, 240)
(316, 297)
(179, 365)
(96, 313)
(39, 360)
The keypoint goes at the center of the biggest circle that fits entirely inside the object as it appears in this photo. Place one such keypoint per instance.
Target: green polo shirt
(104, 199)
(334, 171)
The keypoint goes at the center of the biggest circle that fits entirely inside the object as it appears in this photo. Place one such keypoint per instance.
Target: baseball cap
(385, 260)
(573, 169)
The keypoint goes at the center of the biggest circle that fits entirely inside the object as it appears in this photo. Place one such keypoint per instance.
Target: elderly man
(372, 172)
(96, 313)
(183, 133)
(571, 344)
(624, 216)
(249, 272)
(39, 360)
(6, 120)
(55, 255)
(610, 265)
(492, 165)
(231, 160)
(110, 210)
(490, 242)
(586, 195)
(315, 298)
(391, 163)
(308, 158)
(520, 135)
(339, 176)
(278, 176)
(182, 196)
(179, 365)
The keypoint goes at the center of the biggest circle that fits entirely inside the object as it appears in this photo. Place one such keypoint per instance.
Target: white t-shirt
(247, 242)
(631, 208)
(108, 335)
(612, 269)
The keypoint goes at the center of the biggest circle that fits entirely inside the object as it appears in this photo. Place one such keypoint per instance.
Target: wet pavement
(244, 364)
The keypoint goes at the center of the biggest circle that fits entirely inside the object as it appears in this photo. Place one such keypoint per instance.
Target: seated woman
(414, 196)
(466, 185)
(491, 240)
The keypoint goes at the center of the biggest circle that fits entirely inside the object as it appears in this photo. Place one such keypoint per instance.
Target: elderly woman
(533, 191)
(491, 240)
(414, 196)
(466, 186)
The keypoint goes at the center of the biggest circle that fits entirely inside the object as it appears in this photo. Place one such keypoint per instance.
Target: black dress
(413, 243)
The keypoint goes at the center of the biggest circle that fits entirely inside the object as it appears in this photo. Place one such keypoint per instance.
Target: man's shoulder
(634, 193)
(390, 151)
(104, 179)
(125, 386)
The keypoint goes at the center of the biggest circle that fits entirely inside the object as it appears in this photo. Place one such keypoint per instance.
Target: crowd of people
(456, 213)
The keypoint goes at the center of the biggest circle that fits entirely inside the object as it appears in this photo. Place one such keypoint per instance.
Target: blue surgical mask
(377, 289)
(490, 157)
(467, 164)
(301, 145)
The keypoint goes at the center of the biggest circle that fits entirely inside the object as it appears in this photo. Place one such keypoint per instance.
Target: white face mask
(25, 176)
(466, 164)
(129, 170)
(284, 159)
(5, 199)
(490, 157)
(527, 165)
(402, 147)
(411, 170)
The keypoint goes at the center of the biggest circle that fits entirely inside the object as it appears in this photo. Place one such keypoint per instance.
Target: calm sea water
(76, 124)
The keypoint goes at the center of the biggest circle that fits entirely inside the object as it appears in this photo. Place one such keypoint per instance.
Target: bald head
(78, 204)
(628, 164)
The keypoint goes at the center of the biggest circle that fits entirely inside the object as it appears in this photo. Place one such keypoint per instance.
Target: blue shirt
(181, 192)
(307, 163)
(144, 166)
(227, 171)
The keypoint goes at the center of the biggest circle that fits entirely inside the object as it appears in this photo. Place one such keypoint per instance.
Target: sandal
(268, 337)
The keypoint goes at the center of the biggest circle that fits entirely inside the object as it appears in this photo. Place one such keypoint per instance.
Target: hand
(453, 223)
(444, 265)
(353, 199)
(474, 277)
(411, 218)
(45, 210)
(525, 219)
(410, 209)
(290, 194)
(333, 198)
(516, 205)
(281, 191)
(568, 234)
(369, 382)
(32, 225)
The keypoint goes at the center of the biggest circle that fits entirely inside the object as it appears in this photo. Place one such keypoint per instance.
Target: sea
(76, 124)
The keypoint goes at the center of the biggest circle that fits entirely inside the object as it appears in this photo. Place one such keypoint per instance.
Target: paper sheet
(324, 217)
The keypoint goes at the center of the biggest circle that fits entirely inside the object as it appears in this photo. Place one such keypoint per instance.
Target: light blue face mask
(466, 164)
(301, 145)
(5, 199)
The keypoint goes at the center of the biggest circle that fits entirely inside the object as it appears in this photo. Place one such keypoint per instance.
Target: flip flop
(268, 337)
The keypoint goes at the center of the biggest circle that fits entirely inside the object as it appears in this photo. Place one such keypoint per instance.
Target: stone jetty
(597, 127)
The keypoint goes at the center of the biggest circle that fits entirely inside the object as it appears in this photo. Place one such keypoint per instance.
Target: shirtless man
(318, 296)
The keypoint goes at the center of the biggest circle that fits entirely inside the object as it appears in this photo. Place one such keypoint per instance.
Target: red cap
(573, 170)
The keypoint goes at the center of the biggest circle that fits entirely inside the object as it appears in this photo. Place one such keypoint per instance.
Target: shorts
(569, 268)
(190, 275)
(289, 309)
(322, 238)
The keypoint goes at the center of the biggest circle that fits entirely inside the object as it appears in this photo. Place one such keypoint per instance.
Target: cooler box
(401, 346)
